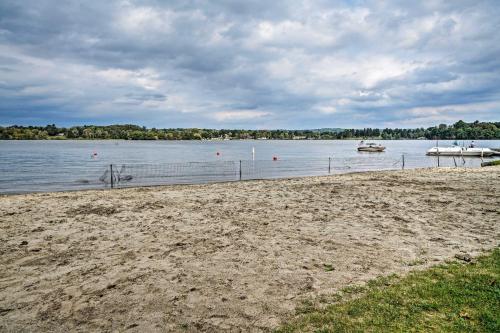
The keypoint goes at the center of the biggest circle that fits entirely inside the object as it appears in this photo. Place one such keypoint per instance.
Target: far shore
(236, 139)
(230, 256)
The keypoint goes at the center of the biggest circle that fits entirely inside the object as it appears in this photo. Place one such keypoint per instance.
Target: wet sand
(230, 256)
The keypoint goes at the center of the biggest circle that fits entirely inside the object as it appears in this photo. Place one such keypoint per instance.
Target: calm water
(27, 166)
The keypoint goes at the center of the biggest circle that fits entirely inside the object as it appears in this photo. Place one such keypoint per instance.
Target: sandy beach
(231, 256)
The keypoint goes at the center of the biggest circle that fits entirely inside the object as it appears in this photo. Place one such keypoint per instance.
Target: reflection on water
(60, 165)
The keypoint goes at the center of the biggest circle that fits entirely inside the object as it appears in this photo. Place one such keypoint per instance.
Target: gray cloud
(250, 64)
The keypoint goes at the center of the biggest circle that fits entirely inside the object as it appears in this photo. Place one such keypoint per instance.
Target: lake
(28, 166)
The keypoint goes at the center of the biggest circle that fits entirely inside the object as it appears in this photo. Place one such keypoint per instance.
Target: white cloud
(224, 116)
(143, 20)
(145, 78)
(457, 109)
(290, 34)
(325, 109)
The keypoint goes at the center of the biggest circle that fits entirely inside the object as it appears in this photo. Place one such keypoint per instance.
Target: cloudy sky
(249, 64)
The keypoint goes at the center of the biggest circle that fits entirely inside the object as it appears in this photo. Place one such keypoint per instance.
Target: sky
(249, 64)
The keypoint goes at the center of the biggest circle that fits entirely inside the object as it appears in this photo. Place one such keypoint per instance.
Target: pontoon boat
(460, 151)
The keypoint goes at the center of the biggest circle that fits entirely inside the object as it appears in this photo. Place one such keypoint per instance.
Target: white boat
(370, 147)
(460, 151)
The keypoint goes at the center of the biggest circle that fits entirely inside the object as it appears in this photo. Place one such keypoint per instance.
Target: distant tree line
(459, 130)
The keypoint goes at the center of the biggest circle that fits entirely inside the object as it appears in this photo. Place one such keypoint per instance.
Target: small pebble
(465, 257)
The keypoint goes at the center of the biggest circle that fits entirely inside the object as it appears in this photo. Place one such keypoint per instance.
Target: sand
(230, 256)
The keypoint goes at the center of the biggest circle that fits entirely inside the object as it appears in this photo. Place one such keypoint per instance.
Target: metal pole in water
(240, 169)
(437, 146)
(329, 164)
(253, 153)
(403, 159)
(111, 174)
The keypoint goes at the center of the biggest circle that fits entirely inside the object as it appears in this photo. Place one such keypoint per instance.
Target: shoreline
(233, 255)
(153, 186)
(223, 140)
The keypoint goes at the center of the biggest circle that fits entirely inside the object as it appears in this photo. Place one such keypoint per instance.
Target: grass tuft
(328, 267)
(491, 163)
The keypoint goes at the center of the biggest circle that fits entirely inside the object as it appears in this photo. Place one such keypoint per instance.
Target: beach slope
(229, 256)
